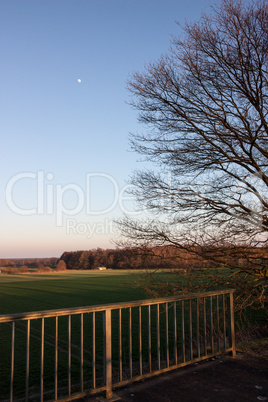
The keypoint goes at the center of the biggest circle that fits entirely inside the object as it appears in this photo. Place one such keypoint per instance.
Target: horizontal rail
(103, 307)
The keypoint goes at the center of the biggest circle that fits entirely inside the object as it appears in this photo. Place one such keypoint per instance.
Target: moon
(79, 80)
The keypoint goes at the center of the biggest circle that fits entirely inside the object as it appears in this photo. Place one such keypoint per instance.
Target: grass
(33, 292)
(256, 348)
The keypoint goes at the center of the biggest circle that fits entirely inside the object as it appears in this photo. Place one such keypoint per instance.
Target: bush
(61, 266)
(13, 271)
(44, 268)
(24, 269)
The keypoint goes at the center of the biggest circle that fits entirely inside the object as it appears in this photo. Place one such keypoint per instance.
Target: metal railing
(70, 353)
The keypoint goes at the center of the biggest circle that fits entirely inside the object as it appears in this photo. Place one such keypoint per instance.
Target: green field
(35, 292)
(32, 292)
(58, 290)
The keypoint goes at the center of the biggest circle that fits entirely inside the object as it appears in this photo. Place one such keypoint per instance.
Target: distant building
(100, 268)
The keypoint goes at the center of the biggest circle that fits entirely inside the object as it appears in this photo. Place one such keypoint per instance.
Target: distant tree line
(30, 262)
(59, 265)
(90, 259)
(110, 258)
(126, 258)
(160, 257)
(120, 258)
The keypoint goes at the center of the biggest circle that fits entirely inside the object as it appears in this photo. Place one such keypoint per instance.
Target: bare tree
(205, 106)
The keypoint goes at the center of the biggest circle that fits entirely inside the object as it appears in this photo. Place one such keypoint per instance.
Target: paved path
(221, 380)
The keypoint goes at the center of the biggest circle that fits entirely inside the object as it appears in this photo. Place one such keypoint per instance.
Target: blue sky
(65, 156)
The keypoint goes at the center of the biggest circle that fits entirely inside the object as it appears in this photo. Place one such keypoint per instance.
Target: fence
(70, 353)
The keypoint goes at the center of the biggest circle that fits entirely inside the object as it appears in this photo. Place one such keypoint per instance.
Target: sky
(65, 118)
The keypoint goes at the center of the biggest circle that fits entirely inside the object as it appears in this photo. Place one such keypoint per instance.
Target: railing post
(108, 354)
(232, 327)
(12, 361)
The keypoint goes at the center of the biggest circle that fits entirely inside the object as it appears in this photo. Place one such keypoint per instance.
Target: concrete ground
(221, 379)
